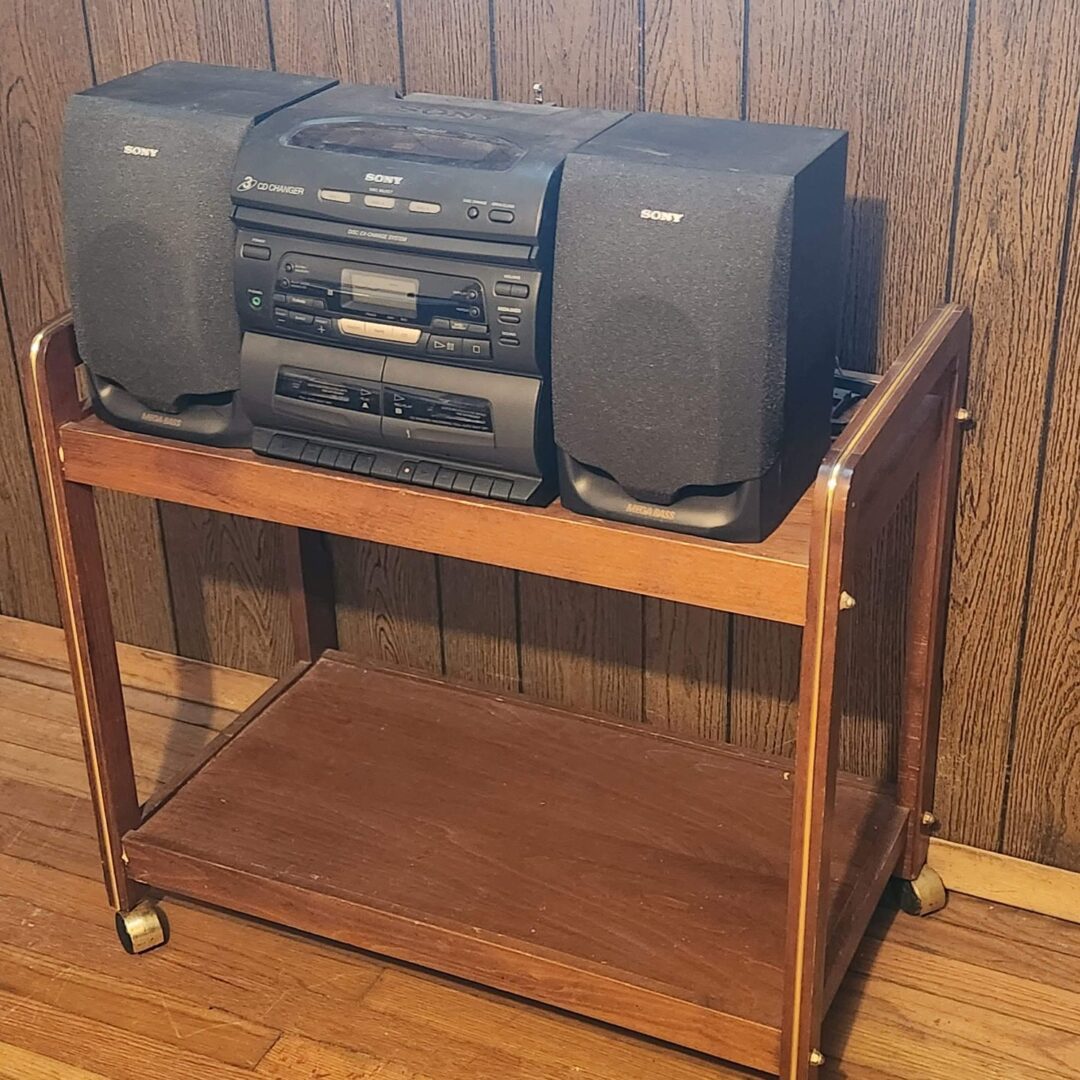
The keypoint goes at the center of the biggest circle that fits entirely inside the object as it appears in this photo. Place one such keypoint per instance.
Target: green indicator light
(256, 300)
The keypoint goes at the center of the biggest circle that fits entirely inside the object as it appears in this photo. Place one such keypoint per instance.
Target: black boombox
(376, 283)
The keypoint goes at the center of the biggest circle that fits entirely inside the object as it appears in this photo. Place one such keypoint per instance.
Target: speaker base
(739, 513)
(223, 424)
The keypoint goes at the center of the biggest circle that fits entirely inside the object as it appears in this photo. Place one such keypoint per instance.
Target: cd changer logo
(650, 511)
(250, 183)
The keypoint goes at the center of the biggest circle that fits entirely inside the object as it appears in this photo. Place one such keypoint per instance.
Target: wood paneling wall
(962, 185)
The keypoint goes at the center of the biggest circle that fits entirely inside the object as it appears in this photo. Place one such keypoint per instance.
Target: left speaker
(147, 168)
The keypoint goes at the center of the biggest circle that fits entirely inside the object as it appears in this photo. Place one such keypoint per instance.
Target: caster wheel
(923, 895)
(142, 929)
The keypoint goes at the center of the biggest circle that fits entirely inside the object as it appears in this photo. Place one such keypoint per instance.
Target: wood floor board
(294, 1056)
(996, 938)
(19, 1064)
(928, 1037)
(104, 1048)
(1012, 997)
(94, 996)
(150, 701)
(978, 991)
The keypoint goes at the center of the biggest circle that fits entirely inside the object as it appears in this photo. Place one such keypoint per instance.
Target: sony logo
(661, 215)
(141, 151)
(379, 178)
(651, 511)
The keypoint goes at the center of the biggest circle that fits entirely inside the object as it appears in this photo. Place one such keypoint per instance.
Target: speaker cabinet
(695, 300)
(147, 169)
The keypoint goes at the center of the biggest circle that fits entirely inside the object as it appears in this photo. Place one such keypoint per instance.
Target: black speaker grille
(669, 336)
(147, 170)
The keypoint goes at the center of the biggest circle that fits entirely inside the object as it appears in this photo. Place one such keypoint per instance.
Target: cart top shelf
(767, 580)
(881, 448)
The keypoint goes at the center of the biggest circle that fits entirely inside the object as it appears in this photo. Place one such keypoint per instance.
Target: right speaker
(696, 295)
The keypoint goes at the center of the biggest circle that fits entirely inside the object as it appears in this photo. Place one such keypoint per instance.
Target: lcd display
(363, 289)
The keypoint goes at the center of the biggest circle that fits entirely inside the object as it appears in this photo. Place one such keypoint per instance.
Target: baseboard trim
(1002, 879)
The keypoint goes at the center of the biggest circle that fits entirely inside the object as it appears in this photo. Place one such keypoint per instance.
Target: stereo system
(437, 291)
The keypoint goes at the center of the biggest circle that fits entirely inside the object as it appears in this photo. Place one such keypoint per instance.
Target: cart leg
(935, 506)
(310, 574)
(815, 785)
(84, 603)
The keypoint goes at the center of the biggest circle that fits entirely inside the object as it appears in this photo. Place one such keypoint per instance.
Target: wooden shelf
(643, 882)
(766, 580)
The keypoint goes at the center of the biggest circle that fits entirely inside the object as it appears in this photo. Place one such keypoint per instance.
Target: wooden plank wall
(962, 185)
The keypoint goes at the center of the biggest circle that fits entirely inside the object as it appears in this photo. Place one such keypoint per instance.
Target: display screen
(364, 289)
(408, 143)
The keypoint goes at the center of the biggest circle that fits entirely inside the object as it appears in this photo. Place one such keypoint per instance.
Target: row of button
(392, 467)
(379, 202)
(437, 344)
(444, 345)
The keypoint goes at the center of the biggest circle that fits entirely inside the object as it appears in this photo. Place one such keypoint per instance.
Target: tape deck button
(444, 346)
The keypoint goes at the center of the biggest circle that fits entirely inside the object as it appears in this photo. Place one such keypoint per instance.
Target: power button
(255, 298)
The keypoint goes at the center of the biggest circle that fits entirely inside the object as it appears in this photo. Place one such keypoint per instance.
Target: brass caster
(925, 894)
(142, 929)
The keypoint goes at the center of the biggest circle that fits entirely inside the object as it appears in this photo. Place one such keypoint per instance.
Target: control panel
(453, 311)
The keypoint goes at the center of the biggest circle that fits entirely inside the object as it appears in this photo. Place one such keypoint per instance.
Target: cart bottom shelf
(608, 870)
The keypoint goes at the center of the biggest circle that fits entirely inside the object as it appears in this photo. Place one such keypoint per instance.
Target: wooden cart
(696, 893)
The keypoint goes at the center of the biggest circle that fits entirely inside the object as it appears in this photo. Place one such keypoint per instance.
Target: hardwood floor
(978, 990)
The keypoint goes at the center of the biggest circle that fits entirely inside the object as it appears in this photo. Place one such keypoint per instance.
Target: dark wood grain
(1043, 813)
(873, 658)
(388, 609)
(581, 646)
(138, 576)
(693, 56)
(309, 578)
(229, 590)
(685, 669)
(563, 827)
(583, 51)
(26, 580)
(764, 685)
(354, 40)
(1014, 180)
(890, 74)
(447, 47)
(479, 610)
(126, 35)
